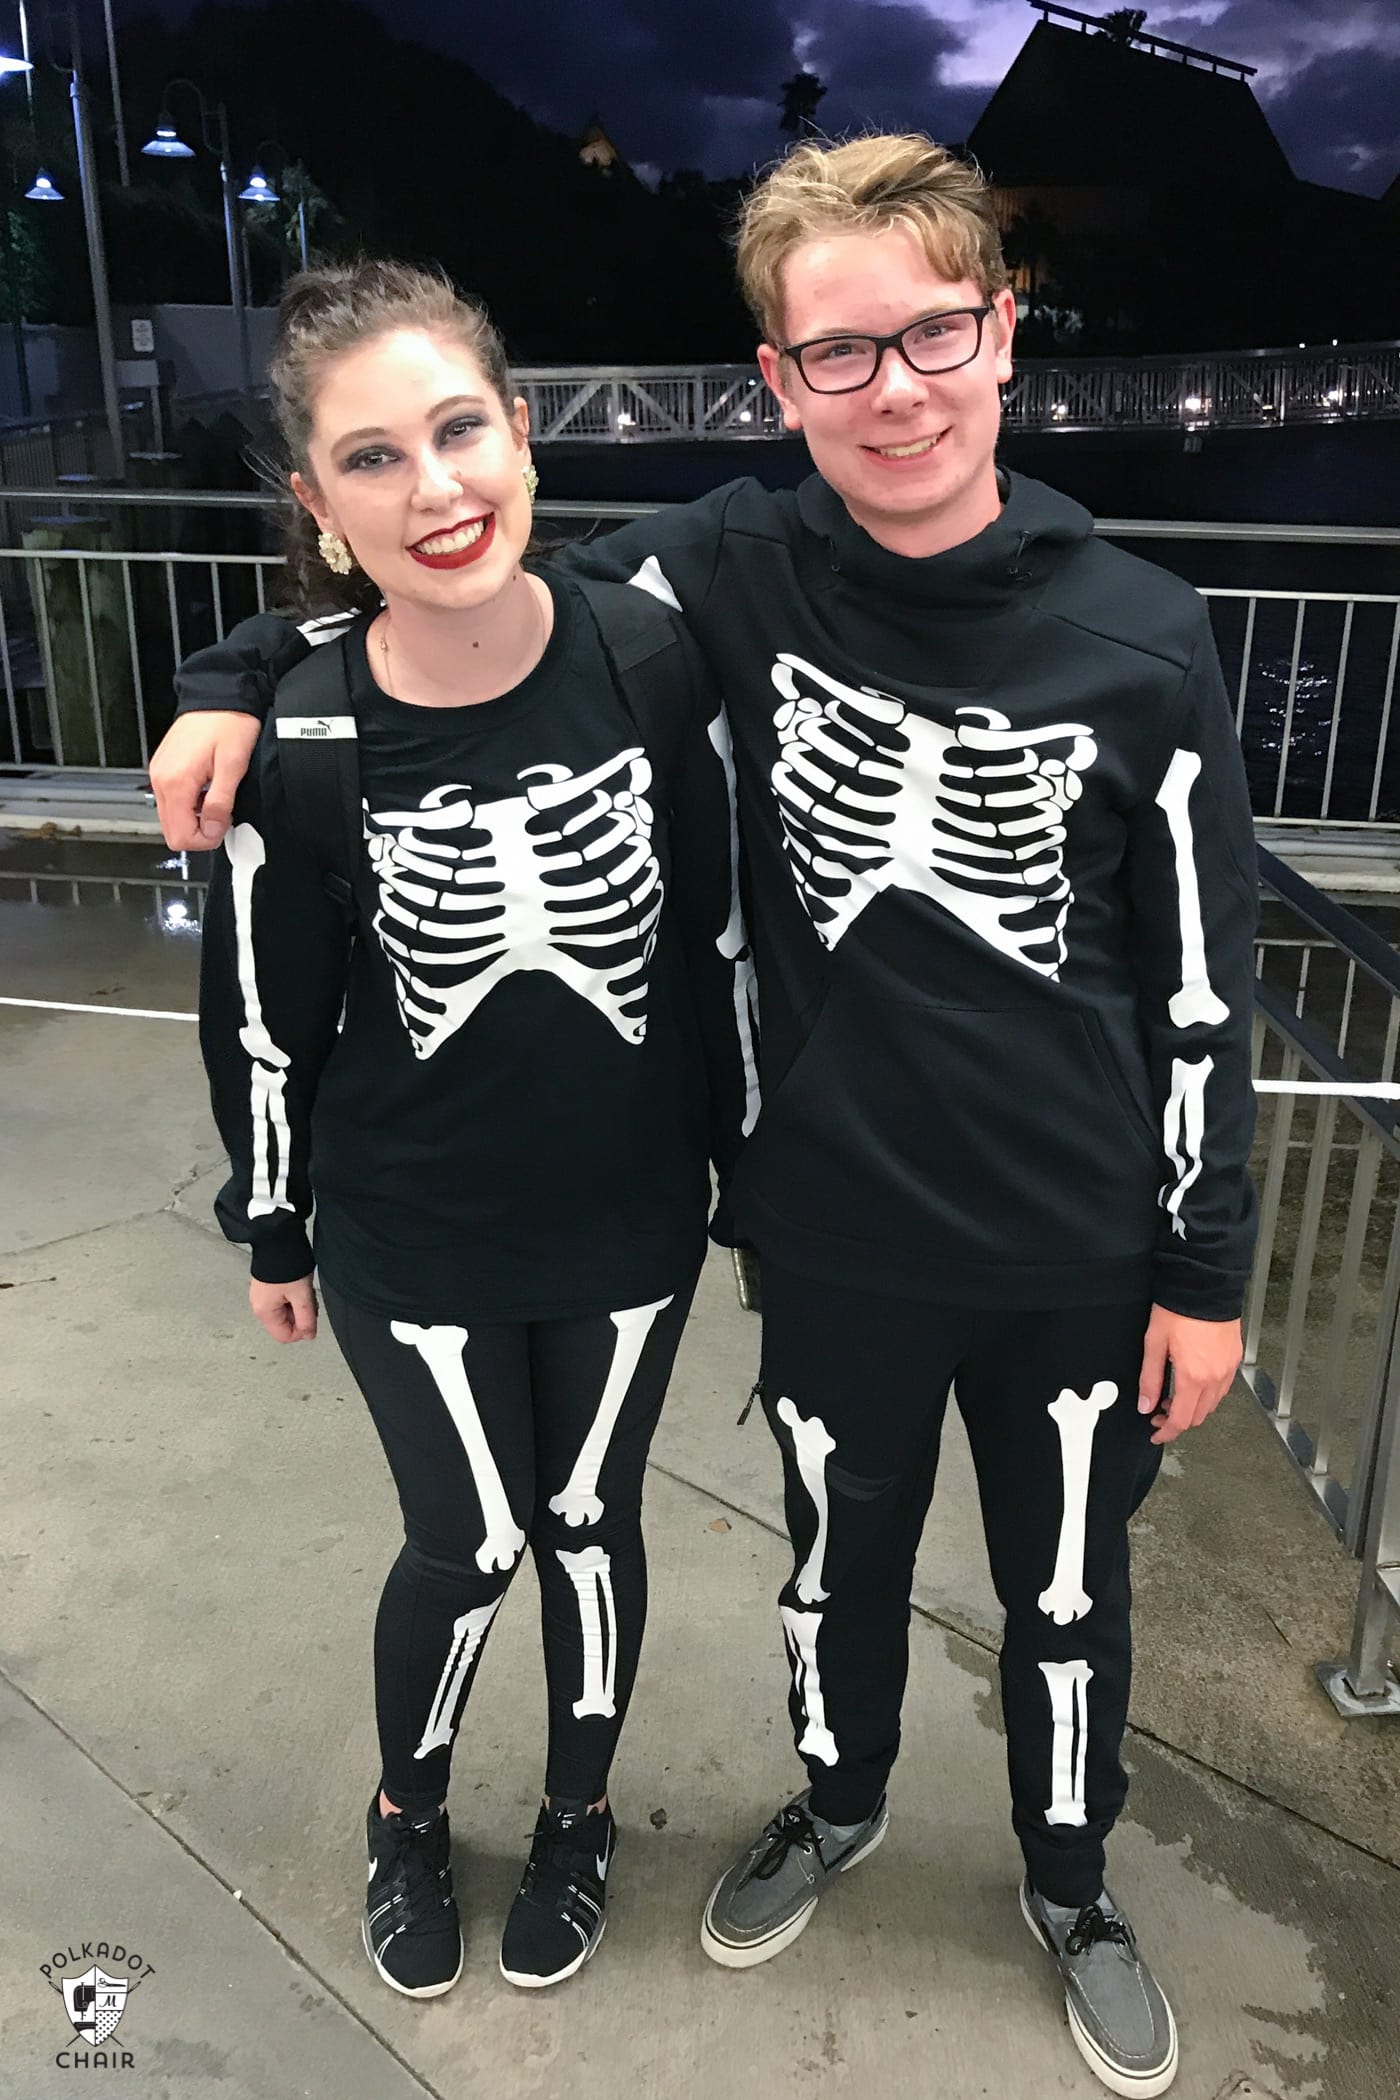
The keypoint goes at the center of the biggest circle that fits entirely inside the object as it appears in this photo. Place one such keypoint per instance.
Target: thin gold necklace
(538, 637)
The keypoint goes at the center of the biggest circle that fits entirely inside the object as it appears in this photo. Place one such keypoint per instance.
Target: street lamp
(168, 145)
(43, 190)
(260, 190)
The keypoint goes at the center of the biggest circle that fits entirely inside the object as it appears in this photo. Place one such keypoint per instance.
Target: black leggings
(500, 1434)
(854, 1387)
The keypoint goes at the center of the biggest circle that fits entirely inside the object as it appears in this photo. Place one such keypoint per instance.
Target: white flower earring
(335, 553)
(532, 480)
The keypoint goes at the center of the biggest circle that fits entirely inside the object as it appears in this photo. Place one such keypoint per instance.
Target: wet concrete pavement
(197, 1528)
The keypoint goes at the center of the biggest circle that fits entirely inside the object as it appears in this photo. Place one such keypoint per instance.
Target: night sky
(684, 85)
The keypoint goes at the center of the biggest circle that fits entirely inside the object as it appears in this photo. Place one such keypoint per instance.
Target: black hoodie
(1001, 885)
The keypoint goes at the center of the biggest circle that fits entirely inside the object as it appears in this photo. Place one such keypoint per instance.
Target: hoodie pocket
(1116, 1065)
(984, 1135)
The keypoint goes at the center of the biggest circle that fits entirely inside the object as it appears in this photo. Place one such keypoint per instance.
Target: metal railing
(611, 404)
(1324, 1301)
(91, 630)
(1225, 390)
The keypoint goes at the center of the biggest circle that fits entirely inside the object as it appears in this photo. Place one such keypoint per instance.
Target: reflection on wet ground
(100, 923)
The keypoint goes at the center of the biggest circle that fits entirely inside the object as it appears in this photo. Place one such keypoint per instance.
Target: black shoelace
(792, 1828)
(414, 1875)
(564, 1855)
(1093, 1927)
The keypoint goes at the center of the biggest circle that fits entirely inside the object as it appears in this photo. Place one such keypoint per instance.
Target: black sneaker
(410, 1925)
(560, 1908)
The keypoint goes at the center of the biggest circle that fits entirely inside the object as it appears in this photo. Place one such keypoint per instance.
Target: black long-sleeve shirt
(502, 1094)
(1000, 876)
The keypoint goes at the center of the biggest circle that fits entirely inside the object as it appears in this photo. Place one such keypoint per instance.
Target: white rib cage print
(874, 797)
(561, 877)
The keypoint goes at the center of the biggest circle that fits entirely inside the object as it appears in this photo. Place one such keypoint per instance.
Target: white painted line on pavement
(130, 1013)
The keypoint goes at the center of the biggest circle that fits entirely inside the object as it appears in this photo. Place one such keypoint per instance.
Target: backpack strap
(318, 756)
(647, 662)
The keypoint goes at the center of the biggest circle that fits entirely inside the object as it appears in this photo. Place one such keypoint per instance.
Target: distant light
(1334, 342)
(624, 421)
(14, 65)
(746, 415)
(177, 914)
(1335, 396)
(43, 190)
(1302, 346)
(259, 190)
(167, 143)
(1193, 404)
(1059, 410)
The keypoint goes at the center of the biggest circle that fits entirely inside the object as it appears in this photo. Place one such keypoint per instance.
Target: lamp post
(11, 66)
(44, 191)
(168, 145)
(260, 190)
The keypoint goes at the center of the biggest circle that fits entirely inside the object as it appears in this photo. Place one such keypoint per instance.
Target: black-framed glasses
(842, 364)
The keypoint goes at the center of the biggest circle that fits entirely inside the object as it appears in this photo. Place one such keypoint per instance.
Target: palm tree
(801, 95)
(1031, 243)
(1123, 23)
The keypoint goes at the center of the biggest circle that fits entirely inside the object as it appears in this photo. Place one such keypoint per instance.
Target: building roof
(1086, 109)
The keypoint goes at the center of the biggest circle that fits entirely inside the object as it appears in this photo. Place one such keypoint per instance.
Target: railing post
(1365, 1683)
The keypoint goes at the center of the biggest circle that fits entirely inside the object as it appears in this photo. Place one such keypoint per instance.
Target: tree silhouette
(1123, 23)
(801, 95)
(1031, 243)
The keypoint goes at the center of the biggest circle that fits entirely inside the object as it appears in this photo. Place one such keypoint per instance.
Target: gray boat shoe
(763, 1901)
(1118, 2015)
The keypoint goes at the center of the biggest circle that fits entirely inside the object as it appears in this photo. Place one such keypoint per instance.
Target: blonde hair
(324, 313)
(868, 185)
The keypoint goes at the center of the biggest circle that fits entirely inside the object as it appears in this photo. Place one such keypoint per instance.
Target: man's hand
(1202, 1357)
(195, 771)
(286, 1310)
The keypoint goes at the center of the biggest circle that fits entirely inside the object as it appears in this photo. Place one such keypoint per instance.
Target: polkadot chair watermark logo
(94, 1998)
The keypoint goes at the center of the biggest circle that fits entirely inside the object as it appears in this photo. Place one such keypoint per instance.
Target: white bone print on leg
(577, 1501)
(267, 1081)
(1195, 1001)
(1184, 1131)
(801, 1629)
(441, 1350)
(814, 1446)
(468, 1633)
(1076, 1419)
(1069, 1713)
(590, 1572)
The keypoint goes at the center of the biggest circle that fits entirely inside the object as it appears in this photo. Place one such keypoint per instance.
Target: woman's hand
(195, 771)
(286, 1310)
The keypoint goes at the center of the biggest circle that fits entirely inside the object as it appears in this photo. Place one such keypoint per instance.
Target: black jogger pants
(854, 1388)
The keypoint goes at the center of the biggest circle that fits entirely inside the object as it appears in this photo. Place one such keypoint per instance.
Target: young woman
(498, 1080)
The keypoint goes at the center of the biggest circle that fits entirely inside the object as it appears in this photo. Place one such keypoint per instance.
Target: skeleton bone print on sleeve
(272, 1137)
(1195, 1001)
(561, 877)
(1184, 1132)
(874, 797)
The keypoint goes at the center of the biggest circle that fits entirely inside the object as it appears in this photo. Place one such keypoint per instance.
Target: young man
(999, 863)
